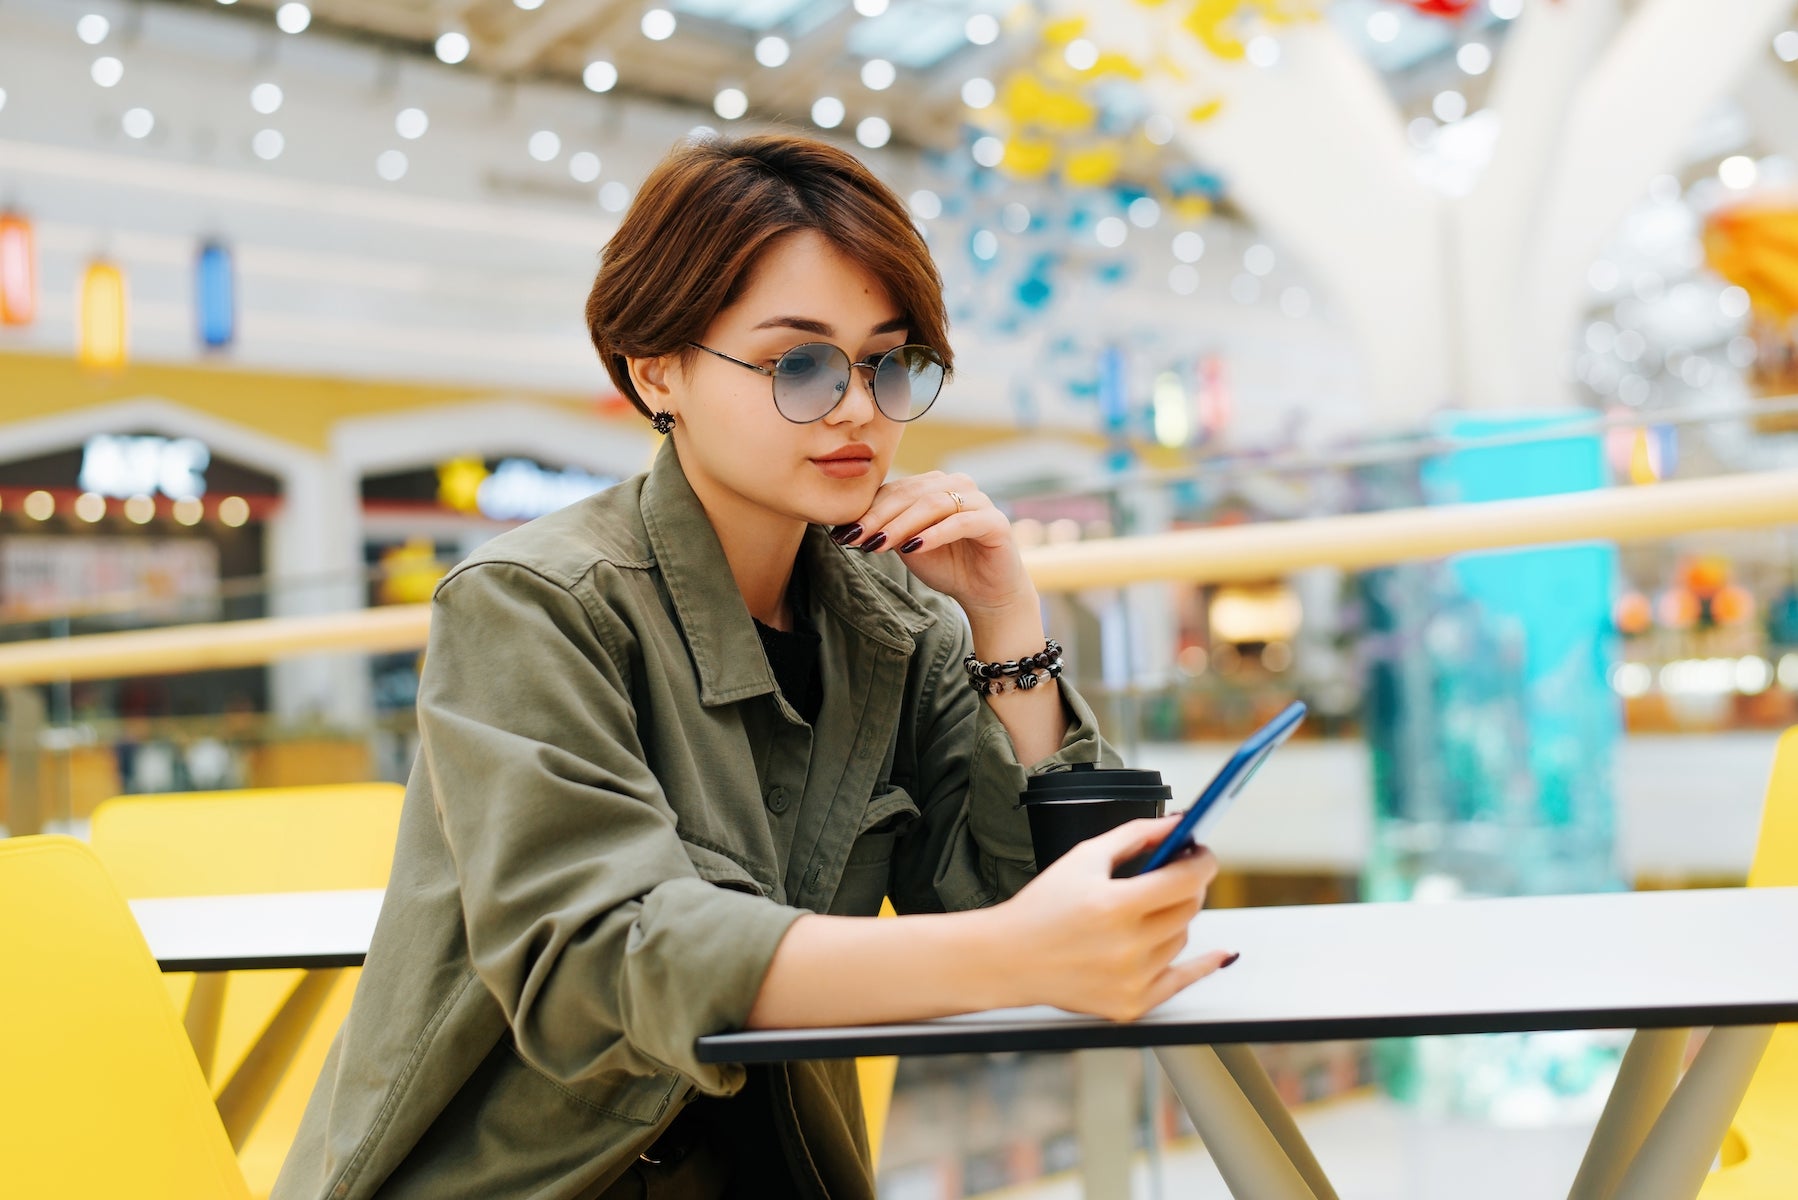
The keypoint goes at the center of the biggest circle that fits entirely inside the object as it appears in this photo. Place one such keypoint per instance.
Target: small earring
(663, 422)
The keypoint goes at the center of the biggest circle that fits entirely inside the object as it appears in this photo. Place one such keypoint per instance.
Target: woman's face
(730, 435)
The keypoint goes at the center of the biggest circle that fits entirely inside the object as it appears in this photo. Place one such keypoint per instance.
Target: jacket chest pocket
(866, 872)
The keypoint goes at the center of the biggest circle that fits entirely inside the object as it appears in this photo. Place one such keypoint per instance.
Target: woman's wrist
(989, 941)
(1012, 631)
(857, 971)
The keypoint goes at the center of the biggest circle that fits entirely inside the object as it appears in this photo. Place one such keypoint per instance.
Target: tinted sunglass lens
(809, 380)
(907, 382)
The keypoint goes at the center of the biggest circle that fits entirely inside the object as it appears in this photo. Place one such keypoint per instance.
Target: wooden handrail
(1243, 552)
(1270, 549)
(183, 648)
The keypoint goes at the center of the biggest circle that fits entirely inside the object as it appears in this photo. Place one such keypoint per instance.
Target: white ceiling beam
(543, 29)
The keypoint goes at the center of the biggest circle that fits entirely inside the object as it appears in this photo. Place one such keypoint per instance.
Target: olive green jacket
(613, 820)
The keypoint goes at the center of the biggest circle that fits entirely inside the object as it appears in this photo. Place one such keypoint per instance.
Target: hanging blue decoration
(1034, 292)
(1189, 181)
(1113, 397)
(215, 292)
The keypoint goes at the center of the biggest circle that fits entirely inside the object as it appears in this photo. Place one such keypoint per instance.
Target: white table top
(1627, 960)
(281, 929)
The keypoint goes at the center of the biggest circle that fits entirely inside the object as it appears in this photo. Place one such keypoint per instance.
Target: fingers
(1173, 920)
(904, 508)
(1126, 841)
(1180, 879)
(909, 535)
(1182, 975)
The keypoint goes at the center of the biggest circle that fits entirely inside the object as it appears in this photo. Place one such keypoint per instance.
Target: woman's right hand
(1082, 941)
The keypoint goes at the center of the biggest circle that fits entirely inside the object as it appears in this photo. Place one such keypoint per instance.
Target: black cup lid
(1084, 781)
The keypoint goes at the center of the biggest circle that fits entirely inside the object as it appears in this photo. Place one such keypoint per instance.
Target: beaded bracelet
(989, 678)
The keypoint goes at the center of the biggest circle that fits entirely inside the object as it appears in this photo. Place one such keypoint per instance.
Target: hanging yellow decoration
(1111, 63)
(1755, 247)
(1049, 116)
(1216, 23)
(101, 336)
(1205, 111)
(1028, 158)
(1027, 102)
(1096, 167)
(1191, 209)
(1210, 21)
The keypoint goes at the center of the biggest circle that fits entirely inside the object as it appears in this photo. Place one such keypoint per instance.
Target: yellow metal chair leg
(242, 1100)
(204, 1006)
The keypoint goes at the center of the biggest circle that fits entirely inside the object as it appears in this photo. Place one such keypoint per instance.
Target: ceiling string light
(772, 51)
(600, 76)
(293, 17)
(452, 47)
(730, 103)
(873, 132)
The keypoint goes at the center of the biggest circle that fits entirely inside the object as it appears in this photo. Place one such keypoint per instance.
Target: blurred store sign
(409, 572)
(518, 489)
(18, 270)
(41, 574)
(124, 466)
(1255, 613)
(215, 295)
(104, 326)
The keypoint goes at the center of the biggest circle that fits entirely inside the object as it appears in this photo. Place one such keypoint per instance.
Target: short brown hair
(685, 250)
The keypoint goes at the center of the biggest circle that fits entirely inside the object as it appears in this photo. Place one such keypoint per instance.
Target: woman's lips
(844, 468)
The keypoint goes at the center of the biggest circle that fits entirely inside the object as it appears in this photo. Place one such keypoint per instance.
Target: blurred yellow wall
(302, 409)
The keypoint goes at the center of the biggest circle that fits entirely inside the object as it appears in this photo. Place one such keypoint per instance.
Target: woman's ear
(654, 379)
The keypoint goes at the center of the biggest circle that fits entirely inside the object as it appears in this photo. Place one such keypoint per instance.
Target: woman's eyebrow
(822, 329)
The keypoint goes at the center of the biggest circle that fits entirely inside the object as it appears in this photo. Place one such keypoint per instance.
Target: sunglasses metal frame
(872, 364)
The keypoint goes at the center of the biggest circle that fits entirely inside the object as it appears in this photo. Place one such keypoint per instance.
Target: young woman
(679, 740)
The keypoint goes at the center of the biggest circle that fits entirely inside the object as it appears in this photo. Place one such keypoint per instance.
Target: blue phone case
(1223, 787)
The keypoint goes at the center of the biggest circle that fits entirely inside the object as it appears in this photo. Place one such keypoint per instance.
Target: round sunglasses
(810, 380)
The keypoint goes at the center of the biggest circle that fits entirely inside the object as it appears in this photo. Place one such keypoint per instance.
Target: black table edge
(780, 1045)
(275, 962)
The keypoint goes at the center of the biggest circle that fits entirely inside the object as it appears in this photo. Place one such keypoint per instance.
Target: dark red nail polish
(875, 542)
(911, 545)
(842, 535)
(1228, 961)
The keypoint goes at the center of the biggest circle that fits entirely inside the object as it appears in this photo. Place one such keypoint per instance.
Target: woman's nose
(850, 408)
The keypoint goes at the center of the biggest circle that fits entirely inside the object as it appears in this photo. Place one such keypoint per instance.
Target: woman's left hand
(966, 550)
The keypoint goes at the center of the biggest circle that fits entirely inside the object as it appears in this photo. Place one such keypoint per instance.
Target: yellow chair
(290, 839)
(876, 1077)
(1760, 1153)
(261, 840)
(99, 1093)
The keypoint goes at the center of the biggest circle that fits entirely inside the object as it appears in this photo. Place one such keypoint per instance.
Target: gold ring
(956, 496)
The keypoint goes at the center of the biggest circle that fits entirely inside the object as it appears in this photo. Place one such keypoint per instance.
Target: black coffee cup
(1067, 807)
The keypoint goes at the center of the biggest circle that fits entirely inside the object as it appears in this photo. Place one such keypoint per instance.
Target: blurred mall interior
(291, 321)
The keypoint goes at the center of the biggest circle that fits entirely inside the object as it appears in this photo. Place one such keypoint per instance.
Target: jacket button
(777, 799)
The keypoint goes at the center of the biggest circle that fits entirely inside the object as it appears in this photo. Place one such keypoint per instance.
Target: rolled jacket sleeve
(585, 916)
(971, 846)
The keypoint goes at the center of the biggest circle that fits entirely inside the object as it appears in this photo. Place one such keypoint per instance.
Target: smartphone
(1202, 817)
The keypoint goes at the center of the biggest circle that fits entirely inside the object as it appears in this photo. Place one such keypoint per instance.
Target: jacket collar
(720, 634)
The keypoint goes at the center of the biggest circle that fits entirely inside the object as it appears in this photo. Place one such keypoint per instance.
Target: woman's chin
(837, 505)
